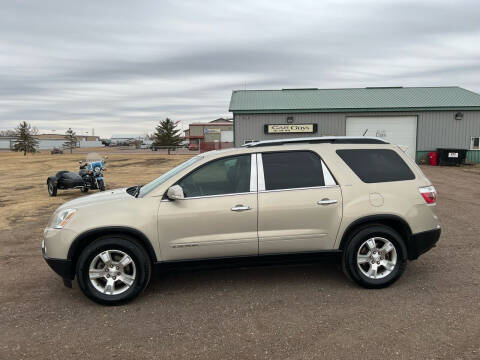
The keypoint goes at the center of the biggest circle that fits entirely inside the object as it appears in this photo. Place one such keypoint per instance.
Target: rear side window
(293, 169)
(376, 165)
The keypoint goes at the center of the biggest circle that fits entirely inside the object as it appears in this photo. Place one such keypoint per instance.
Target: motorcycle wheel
(101, 185)
(84, 189)
(52, 188)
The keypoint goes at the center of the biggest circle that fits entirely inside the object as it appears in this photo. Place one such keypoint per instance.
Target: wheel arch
(85, 238)
(393, 221)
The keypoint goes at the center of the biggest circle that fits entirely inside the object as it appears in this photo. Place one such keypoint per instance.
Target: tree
(24, 140)
(70, 140)
(167, 135)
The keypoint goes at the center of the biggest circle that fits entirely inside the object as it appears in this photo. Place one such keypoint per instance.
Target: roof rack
(319, 140)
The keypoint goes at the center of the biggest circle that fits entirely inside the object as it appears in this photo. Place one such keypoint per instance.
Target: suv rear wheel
(113, 270)
(375, 256)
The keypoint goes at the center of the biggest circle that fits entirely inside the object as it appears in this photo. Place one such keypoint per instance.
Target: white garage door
(399, 130)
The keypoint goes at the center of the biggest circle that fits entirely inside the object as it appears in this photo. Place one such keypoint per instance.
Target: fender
(53, 179)
(394, 221)
(86, 237)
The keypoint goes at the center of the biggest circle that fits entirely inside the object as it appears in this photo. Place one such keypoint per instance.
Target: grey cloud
(104, 64)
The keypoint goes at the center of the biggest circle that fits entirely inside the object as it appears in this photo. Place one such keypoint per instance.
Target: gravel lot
(294, 312)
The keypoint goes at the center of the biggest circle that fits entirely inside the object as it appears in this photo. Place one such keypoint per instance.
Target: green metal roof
(351, 100)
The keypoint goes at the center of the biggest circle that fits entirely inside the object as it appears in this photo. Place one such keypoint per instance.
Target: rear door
(299, 203)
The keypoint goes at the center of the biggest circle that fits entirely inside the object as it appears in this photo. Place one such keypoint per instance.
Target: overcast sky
(120, 66)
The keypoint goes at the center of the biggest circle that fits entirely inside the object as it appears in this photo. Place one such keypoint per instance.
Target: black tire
(349, 259)
(52, 188)
(101, 185)
(115, 242)
(84, 189)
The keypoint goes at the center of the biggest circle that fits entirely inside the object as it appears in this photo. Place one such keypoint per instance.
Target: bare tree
(7, 133)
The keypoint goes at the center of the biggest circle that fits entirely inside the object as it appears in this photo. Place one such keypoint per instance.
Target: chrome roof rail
(319, 140)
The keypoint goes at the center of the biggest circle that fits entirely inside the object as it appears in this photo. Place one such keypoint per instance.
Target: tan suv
(361, 199)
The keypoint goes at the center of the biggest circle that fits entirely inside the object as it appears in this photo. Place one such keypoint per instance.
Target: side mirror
(80, 162)
(175, 192)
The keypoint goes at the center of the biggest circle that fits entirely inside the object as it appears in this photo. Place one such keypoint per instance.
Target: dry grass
(23, 190)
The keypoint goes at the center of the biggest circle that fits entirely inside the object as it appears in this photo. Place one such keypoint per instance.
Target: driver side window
(229, 175)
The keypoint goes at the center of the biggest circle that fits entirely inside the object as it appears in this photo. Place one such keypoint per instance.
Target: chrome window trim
(210, 196)
(253, 173)
(260, 173)
(303, 188)
(328, 179)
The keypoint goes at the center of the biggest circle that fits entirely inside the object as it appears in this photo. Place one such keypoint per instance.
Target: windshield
(93, 156)
(160, 180)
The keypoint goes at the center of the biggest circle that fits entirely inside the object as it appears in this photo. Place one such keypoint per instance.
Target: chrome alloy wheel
(376, 258)
(112, 272)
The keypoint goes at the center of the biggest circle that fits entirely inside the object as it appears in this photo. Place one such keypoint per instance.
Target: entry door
(300, 205)
(399, 130)
(218, 217)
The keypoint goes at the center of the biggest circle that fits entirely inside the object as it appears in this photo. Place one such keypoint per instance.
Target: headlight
(62, 218)
(97, 169)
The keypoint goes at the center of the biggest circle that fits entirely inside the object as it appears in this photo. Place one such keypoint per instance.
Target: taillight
(429, 194)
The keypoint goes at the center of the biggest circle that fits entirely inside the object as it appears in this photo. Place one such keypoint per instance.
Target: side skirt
(250, 261)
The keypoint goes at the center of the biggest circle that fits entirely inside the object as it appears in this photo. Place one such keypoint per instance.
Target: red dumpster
(432, 158)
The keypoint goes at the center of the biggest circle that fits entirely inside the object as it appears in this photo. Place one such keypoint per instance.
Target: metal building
(50, 141)
(421, 119)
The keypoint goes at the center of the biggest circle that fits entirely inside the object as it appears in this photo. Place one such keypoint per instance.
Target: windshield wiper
(137, 190)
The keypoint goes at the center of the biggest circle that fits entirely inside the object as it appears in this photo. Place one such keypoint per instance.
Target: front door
(299, 203)
(218, 217)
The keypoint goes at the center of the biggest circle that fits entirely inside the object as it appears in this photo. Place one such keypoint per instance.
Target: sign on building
(290, 128)
(211, 131)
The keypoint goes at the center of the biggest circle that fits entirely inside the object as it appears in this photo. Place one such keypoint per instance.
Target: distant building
(126, 140)
(49, 141)
(119, 140)
(213, 135)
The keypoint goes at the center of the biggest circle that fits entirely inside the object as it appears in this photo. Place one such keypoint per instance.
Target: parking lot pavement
(294, 312)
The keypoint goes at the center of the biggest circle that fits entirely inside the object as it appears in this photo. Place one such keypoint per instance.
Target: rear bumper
(62, 267)
(420, 243)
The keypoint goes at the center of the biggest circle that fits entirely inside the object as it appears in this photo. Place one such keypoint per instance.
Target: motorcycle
(89, 176)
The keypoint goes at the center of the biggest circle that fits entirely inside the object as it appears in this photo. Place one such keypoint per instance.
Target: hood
(98, 198)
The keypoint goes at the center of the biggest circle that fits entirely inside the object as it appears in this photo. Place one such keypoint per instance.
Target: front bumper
(62, 267)
(420, 243)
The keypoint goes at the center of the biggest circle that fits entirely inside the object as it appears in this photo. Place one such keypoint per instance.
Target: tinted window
(294, 169)
(376, 165)
(224, 176)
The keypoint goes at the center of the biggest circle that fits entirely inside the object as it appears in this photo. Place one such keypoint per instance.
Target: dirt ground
(283, 312)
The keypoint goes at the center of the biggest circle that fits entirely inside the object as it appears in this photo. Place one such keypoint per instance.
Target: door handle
(326, 202)
(241, 208)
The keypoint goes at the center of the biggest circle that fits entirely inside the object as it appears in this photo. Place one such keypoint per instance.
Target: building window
(475, 143)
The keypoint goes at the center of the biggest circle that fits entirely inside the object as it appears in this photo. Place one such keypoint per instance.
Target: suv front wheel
(113, 270)
(375, 257)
